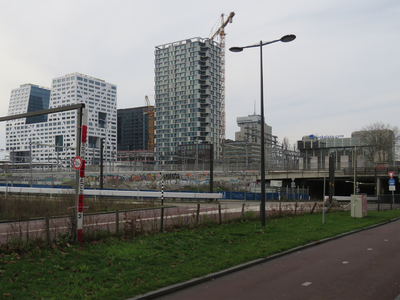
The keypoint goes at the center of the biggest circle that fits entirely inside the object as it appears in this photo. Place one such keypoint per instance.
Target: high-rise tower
(187, 96)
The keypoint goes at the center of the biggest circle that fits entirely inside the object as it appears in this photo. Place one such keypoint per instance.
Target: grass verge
(22, 207)
(119, 269)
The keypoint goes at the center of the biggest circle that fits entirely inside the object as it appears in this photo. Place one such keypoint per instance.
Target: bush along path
(119, 268)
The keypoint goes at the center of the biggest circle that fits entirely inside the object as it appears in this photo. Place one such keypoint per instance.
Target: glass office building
(133, 129)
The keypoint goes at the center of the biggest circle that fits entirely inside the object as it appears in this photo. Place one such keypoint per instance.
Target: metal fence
(389, 201)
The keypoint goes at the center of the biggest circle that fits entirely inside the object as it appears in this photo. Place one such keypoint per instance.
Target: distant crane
(150, 112)
(221, 33)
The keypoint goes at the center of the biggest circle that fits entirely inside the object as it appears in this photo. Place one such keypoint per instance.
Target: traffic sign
(77, 163)
(392, 188)
(392, 181)
(391, 174)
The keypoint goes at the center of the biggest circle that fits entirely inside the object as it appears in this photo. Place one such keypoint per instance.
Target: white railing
(114, 193)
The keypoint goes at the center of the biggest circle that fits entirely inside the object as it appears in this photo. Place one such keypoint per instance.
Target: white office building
(36, 140)
(27, 98)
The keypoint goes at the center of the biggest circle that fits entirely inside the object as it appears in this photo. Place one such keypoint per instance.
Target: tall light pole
(285, 39)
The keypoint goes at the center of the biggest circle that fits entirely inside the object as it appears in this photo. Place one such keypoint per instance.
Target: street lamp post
(285, 39)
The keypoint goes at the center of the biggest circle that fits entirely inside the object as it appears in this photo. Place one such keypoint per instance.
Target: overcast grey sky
(340, 74)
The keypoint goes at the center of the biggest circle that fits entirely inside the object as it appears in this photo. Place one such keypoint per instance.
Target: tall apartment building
(187, 96)
(133, 129)
(59, 129)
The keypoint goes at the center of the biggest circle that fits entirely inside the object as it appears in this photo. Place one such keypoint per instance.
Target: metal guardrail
(348, 198)
(112, 193)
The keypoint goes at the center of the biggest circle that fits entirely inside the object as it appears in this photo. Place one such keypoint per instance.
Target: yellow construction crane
(221, 33)
(221, 30)
(150, 112)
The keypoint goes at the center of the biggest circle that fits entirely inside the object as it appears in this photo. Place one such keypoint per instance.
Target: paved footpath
(364, 265)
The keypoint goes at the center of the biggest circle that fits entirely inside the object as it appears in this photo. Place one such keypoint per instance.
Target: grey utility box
(359, 206)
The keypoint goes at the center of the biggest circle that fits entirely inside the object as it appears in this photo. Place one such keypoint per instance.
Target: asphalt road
(364, 265)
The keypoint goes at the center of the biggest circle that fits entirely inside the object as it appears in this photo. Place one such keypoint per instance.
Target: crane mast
(150, 112)
(221, 33)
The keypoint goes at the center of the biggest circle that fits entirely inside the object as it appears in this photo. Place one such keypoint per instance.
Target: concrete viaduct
(371, 181)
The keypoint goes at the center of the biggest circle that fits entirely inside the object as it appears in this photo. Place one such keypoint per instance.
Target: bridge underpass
(370, 181)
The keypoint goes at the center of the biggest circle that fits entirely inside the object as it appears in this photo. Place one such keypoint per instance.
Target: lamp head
(288, 38)
(236, 49)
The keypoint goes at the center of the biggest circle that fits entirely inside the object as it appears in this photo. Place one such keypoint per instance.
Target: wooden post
(312, 210)
(47, 222)
(27, 229)
(117, 221)
(197, 213)
(162, 220)
(219, 213)
(330, 207)
(242, 210)
(295, 208)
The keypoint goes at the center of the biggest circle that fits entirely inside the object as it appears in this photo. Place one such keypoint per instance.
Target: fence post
(220, 215)
(162, 220)
(330, 206)
(242, 210)
(47, 222)
(117, 221)
(197, 213)
(378, 202)
(27, 229)
(312, 210)
(295, 208)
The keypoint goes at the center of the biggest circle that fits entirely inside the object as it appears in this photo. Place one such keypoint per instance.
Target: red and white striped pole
(81, 184)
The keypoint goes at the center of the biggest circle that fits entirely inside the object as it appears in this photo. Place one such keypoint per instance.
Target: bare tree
(380, 142)
(285, 144)
(295, 147)
(289, 154)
